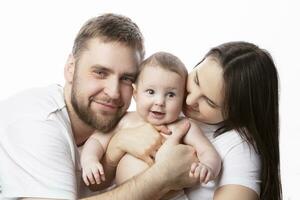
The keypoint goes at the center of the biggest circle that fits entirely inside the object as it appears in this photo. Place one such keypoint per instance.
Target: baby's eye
(150, 91)
(171, 94)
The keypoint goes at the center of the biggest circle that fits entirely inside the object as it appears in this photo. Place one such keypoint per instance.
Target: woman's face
(204, 100)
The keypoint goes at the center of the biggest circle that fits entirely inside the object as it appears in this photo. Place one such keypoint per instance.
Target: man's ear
(69, 69)
(134, 91)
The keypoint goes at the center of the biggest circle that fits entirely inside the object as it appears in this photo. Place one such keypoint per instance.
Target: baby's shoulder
(130, 119)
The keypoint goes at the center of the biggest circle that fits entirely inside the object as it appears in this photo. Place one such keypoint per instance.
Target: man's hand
(141, 142)
(174, 160)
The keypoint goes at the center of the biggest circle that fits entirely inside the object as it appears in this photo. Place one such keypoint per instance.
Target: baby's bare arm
(97, 143)
(206, 152)
(95, 146)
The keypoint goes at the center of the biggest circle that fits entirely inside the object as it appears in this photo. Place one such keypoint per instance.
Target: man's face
(102, 83)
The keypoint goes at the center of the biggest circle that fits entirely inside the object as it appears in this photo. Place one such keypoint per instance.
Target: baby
(159, 93)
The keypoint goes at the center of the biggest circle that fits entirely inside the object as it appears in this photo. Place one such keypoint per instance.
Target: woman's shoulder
(231, 143)
(241, 163)
(229, 138)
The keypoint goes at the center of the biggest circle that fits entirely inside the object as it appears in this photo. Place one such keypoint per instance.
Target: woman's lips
(189, 111)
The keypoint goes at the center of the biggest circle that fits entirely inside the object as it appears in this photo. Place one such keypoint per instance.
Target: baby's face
(159, 95)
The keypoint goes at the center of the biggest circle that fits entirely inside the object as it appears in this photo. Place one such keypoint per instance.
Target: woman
(233, 94)
(233, 97)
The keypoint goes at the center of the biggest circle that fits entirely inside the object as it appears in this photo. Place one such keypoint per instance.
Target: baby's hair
(165, 61)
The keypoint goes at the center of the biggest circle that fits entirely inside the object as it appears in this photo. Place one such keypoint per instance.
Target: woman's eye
(211, 104)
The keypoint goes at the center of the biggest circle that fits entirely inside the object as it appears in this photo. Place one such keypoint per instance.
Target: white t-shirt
(39, 157)
(240, 164)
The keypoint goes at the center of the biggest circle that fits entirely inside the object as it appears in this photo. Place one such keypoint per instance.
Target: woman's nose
(191, 99)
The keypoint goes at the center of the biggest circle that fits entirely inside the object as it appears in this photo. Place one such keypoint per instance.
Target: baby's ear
(134, 90)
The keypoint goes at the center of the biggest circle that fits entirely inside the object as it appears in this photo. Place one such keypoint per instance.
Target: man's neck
(81, 131)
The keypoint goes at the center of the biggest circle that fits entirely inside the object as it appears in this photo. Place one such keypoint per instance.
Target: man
(41, 129)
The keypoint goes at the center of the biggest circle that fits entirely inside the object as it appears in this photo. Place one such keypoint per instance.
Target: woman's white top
(241, 165)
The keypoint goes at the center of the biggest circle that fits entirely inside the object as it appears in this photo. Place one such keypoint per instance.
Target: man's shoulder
(39, 102)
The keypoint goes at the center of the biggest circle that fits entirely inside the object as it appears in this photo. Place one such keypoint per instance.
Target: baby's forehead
(162, 69)
(161, 78)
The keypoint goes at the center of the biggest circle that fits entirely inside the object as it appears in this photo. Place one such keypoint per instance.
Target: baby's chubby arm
(210, 161)
(93, 151)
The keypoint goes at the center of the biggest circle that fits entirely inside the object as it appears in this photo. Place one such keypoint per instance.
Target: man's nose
(112, 88)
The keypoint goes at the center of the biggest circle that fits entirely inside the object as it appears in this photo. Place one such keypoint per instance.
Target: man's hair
(110, 28)
(165, 61)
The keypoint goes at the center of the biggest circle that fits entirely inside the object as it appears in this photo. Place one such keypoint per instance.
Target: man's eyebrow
(100, 67)
(133, 74)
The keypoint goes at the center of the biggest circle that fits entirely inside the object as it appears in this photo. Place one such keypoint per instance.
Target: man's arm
(145, 186)
(141, 142)
(170, 172)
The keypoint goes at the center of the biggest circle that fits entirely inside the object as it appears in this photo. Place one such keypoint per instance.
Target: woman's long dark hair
(251, 105)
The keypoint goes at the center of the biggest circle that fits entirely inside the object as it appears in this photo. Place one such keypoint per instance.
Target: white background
(37, 36)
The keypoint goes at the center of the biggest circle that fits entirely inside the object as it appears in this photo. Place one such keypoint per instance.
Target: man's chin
(106, 122)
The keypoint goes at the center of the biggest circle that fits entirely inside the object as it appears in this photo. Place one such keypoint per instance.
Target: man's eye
(150, 91)
(127, 80)
(101, 74)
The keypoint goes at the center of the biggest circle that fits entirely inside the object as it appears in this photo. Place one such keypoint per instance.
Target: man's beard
(103, 121)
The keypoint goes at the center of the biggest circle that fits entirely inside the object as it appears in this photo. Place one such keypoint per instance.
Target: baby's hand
(92, 172)
(201, 171)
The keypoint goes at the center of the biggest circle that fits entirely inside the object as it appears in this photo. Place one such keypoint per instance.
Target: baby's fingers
(194, 166)
(85, 180)
(196, 173)
(101, 171)
(203, 173)
(208, 177)
(90, 178)
(96, 176)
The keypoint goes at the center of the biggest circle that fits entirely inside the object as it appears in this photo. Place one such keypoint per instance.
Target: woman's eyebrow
(196, 78)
